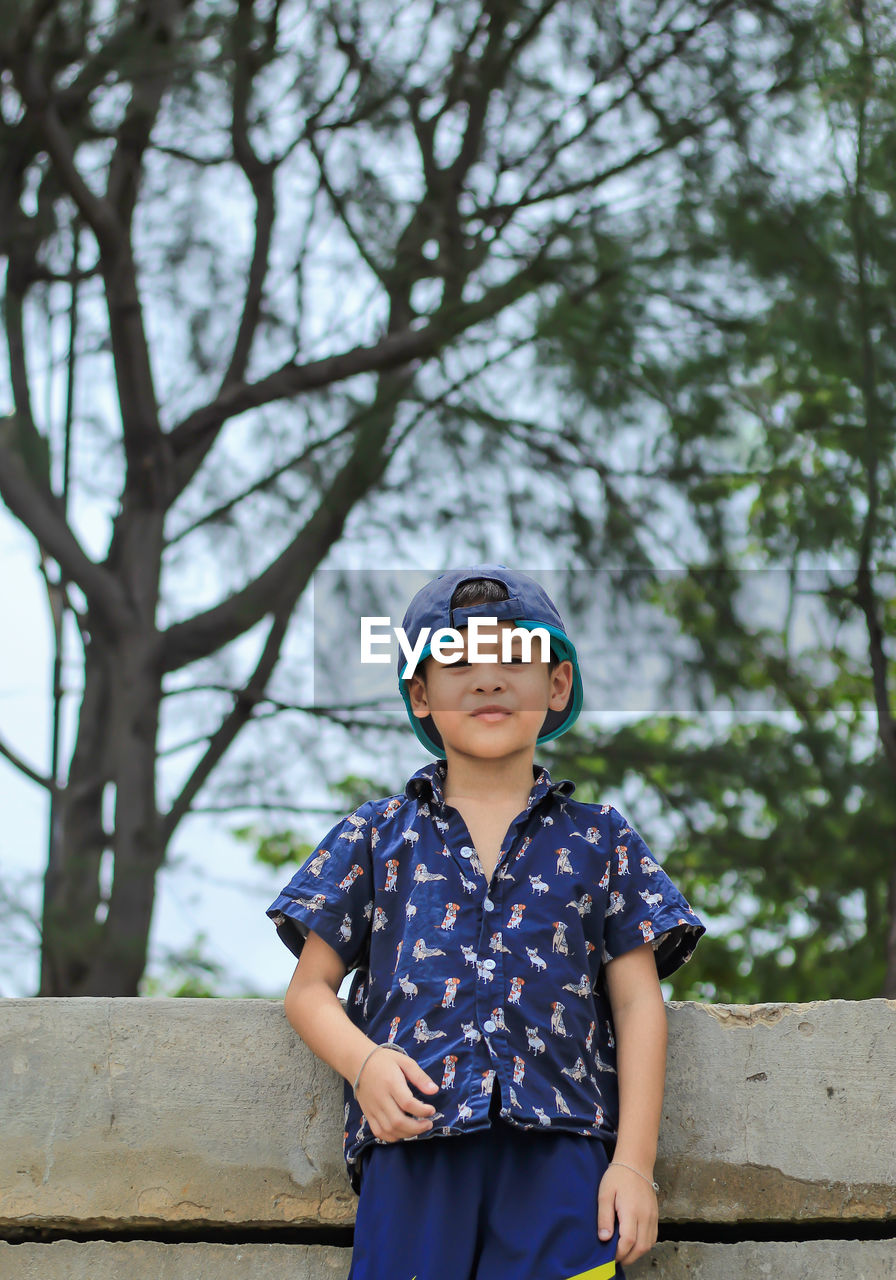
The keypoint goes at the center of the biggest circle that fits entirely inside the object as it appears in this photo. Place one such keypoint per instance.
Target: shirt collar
(428, 782)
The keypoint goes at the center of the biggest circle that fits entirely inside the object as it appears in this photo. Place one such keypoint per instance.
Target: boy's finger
(420, 1080)
(418, 1076)
(407, 1102)
(403, 1125)
(642, 1243)
(606, 1214)
(628, 1237)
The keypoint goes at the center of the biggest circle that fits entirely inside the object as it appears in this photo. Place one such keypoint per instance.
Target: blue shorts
(497, 1204)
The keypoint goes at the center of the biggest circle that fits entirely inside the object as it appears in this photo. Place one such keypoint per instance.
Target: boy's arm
(639, 1019)
(314, 1010)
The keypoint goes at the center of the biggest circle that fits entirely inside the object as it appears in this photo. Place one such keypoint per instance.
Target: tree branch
(261, 179)
(865, 596)
(15, 759)
(264, 482)
(338, 203)
(886, 727)
(29, 22)
(282, 583)
(32, 445)
(390, 352)
(244, 704)
(147, 457)
(96, 211)
(39, 513)
(285, 578)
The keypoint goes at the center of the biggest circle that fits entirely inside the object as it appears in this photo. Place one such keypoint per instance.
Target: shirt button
(467, 852)
(489, 1026)
(488, 905)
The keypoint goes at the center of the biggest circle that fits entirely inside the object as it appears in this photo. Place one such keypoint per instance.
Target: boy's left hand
(630, 1198)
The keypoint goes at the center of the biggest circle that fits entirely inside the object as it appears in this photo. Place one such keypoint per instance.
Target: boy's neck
(495, 782)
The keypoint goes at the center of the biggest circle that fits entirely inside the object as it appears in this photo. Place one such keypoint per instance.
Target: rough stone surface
(157, 1113)
(149, 1260)
(780, 1112)
(750, 1260)
(152, 1260)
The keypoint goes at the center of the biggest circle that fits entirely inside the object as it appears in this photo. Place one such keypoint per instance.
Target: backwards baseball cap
(527, 605)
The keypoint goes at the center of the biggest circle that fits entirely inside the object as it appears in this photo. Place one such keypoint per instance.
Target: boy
(508, 944)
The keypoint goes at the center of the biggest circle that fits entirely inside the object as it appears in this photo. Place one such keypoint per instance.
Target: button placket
(492, 997)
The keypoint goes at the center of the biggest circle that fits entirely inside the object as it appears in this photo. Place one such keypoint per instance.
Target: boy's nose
(491, 679)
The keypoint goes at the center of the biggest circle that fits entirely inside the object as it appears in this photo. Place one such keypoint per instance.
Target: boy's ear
(417, 695)
(561, 681)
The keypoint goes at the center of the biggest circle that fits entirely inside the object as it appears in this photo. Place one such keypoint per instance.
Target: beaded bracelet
(655, 1185)
(387, 1044)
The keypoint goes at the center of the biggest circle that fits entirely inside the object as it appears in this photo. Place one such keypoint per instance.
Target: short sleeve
(644, 905)
(332, 893)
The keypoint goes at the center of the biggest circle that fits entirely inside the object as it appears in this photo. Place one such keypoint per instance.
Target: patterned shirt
(488, 983)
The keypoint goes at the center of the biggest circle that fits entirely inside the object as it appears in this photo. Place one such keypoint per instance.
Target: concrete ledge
(152, 1260)
(149, 1260)
(752, 1260)
(780, 1112)
(158, 1114)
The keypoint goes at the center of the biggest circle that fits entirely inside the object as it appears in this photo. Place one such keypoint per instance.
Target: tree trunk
(93, 946)
(889, 989)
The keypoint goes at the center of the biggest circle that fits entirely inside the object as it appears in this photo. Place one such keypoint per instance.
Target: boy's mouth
(491, 713)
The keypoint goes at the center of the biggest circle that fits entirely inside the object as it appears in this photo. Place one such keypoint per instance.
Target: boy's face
(455, 693)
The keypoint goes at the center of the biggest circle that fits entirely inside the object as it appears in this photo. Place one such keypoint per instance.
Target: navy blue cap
(528, 605)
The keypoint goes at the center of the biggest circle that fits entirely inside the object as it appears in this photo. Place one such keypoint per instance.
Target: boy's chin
(491, 750)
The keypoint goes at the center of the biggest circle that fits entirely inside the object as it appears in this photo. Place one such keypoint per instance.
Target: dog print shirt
(488, 983)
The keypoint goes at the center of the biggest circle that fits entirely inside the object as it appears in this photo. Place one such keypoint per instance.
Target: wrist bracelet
(655, 1185)
(387, 1044)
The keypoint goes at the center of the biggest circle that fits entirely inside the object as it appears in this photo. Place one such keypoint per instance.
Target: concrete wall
(202, 1138)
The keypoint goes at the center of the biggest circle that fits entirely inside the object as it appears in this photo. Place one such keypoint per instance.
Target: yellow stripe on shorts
(604, 1272)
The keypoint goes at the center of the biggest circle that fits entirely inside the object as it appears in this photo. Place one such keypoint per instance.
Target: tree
(341, 210)
(772, 372)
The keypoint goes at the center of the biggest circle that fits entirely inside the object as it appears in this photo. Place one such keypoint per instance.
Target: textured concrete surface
(803, 1260)
(144, 1260)
(150, 1260)
(158, 1114)
(780, 1112)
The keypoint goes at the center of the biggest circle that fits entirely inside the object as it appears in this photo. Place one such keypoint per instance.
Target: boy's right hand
(386, 1100)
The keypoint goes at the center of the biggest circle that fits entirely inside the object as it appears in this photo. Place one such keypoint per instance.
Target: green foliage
(185, 974)
(355, 788)
(273, 848)
(285, 848)
(774, 374)
(778, 839)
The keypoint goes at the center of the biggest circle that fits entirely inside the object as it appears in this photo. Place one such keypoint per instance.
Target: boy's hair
(480, 591)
